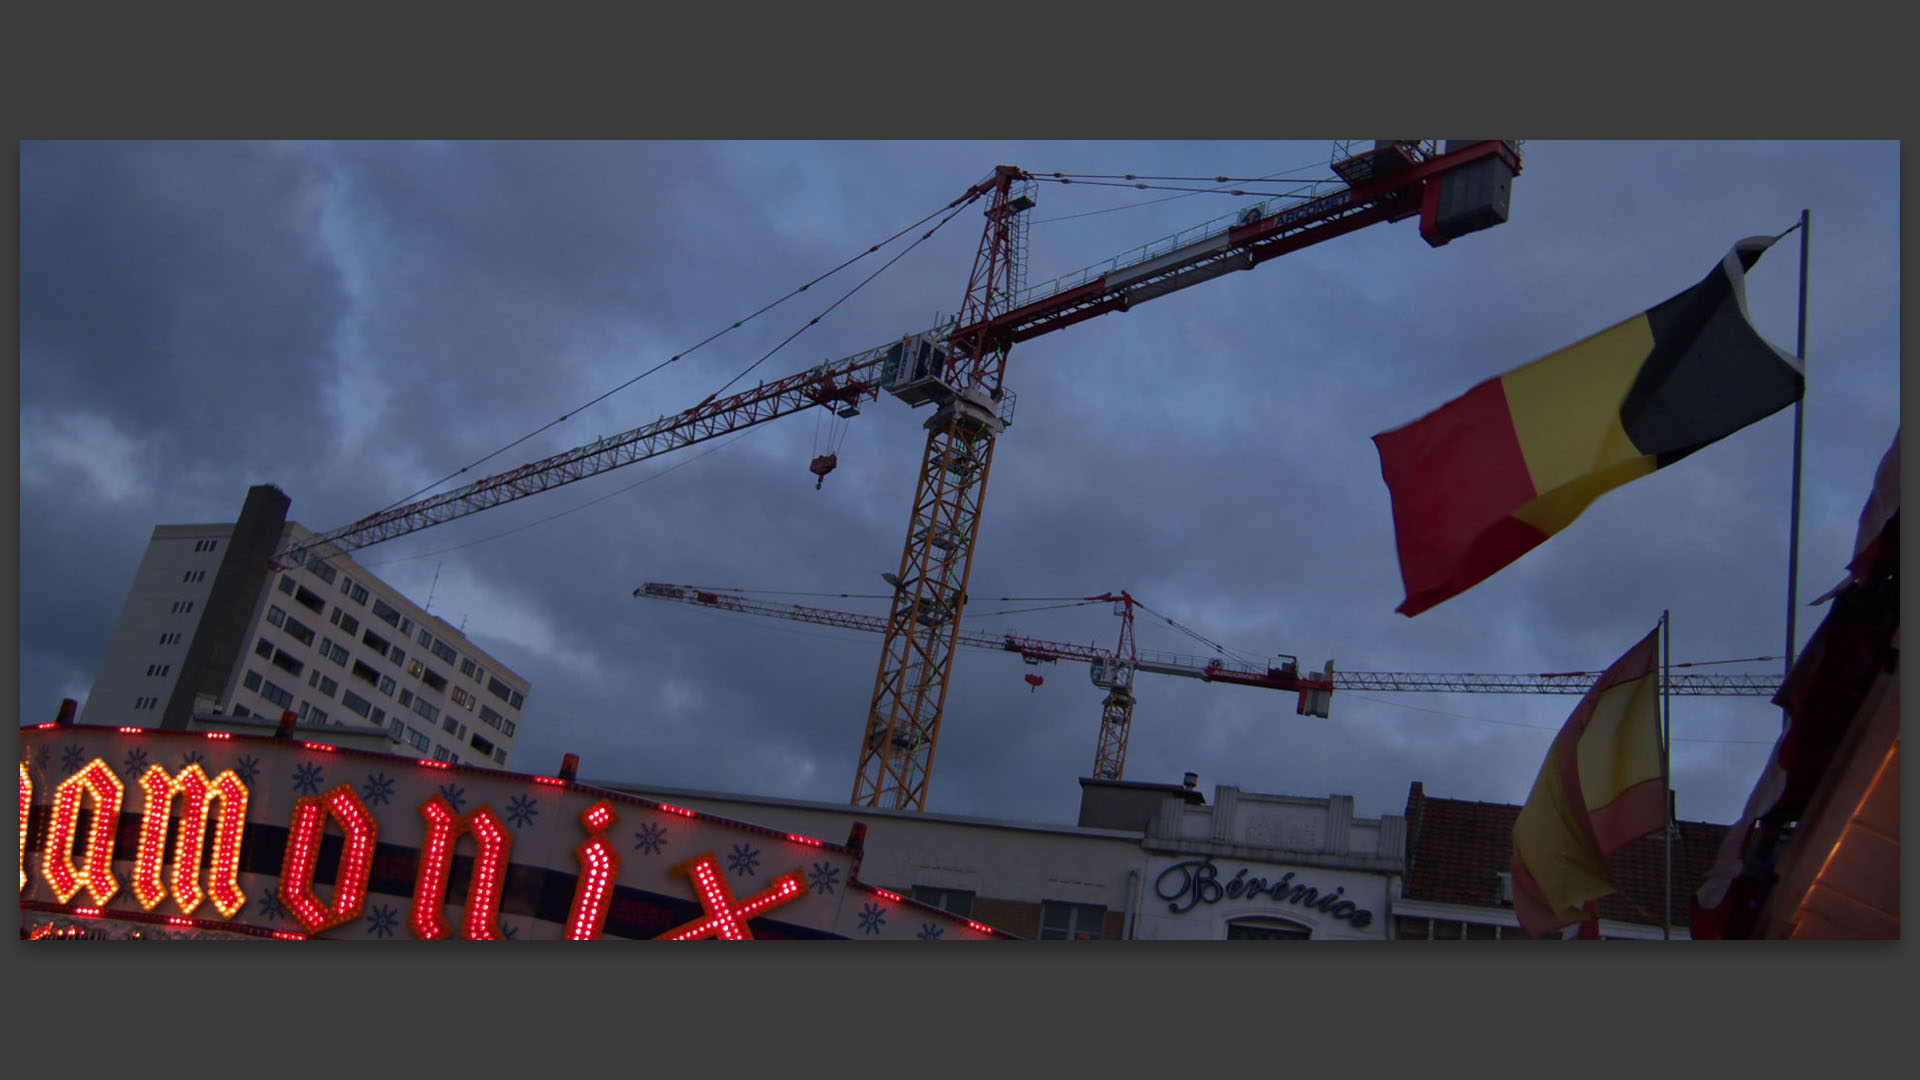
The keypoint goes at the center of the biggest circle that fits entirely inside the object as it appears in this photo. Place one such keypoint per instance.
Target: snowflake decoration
(455, 795)
(70, 758)
(521, 809)
(743, 859)
(270, 905)
(928, 932)
(192, 758)
(872, 917)
(306, 779)
(509, 931)
(246, 767)
(823, 877)
(378, 789)
(43, 754)
(381, 920)
(650, 839)
(136, 761)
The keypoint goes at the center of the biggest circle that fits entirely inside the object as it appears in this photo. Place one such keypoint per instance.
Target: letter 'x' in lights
(724, 919)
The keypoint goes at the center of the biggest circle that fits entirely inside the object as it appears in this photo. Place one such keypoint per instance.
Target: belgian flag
(1487, 477)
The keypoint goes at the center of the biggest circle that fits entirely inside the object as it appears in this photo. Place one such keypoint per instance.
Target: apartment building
(214, 624)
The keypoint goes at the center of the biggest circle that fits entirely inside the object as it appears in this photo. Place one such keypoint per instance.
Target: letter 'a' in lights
(98, 782)
(310, 816)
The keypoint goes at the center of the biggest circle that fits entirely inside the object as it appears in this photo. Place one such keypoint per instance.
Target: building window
(398, 729)
(182, 607)
(386, 612)
(1267, 929)
(365, 673)
(263, 649)
(286, 584)
(1503, 889)
(315, 716)
(320, 567)
(356, 703)
(956, 901)
(157, 670)
(466, 667)
(375, 642)
(425, 639)
(506, 726)
(445, 651)
(406, 698)
(499, 689)
(518, 700)
(348, 624)
(286, 662)
(439, 753)
(426, 708)
(310, 600)
(1071, 922)
(359, 594)
(298, 631)
(462, 699)
(417, 740)
(397, 656)
(252, 681)
(327, 686)
(449, 724)
(169, 638)
(276, 695)
(193, 577)
(276, 616)
(483, 745)
(146, 703)
(433, 679)
(205, 545)
(500, 757)
(487, 715)
(387, 685)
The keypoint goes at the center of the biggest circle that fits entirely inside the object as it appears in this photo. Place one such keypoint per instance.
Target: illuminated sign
(129, 833)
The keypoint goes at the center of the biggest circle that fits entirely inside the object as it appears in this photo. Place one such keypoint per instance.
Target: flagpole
(1666, 767)
(1793, 520)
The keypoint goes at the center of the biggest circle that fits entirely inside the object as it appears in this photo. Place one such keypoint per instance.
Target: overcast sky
(354, 321)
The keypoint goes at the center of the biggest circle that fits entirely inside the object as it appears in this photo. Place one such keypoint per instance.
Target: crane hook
(821, 466)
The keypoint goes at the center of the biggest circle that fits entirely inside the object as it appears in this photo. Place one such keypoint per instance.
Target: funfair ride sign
(137, 833)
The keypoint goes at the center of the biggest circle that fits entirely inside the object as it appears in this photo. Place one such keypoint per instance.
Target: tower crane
(1113, 670)
(1454, 188)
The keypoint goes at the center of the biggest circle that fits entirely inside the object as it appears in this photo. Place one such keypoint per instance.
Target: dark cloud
(357, 320)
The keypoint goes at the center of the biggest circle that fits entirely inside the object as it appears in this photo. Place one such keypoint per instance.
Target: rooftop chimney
(1192, 780)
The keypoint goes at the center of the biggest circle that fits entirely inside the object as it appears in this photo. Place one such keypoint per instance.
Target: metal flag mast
(1793, 514)
(1666, 767)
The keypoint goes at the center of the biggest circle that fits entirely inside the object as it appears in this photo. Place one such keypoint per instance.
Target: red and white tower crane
(1113, 670)
(1453, 188)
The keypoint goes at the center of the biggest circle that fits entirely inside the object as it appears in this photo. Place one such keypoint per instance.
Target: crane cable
(954, 207)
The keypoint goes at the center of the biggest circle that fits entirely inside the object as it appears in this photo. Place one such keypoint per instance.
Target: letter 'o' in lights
(310, 816)
(96, 780)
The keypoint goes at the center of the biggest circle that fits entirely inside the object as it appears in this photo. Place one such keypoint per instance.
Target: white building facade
(1146, 862)
(212, 625)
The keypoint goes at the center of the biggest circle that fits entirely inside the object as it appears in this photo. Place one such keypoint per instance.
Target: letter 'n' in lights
(725, 919)
(310, 816)
(96, 780)
(197, 795)
(492, 844)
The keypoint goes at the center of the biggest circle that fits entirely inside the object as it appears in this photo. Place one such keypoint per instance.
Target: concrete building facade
(1145, 862)
(213, 626)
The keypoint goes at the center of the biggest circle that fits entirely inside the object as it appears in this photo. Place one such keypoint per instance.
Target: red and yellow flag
(1487, 477)
(1601, 788)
